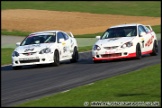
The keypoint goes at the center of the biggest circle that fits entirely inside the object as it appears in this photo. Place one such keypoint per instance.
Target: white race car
(125, 41)
(45, 47)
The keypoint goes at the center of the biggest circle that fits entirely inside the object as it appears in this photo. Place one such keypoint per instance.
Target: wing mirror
(98, 37)
(142, 34)
(61, 40)
(18, 44)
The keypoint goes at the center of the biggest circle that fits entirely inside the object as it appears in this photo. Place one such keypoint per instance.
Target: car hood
(114, 41)
(33, 47)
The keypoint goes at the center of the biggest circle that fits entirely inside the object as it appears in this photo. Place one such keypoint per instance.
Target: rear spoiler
(149, 27)
(71, 34)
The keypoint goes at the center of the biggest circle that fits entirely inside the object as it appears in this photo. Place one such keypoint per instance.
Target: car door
(150, 37)
(144, 38)
(63, 46)
(69, 43)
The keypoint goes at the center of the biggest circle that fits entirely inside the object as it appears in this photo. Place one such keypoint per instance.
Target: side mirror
(142, 34)
(18, 44)
(98, 37)
(61, 40)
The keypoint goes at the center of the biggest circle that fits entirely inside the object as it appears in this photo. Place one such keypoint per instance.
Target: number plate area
(29, 60)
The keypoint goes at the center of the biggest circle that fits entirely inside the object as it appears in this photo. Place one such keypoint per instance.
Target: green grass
(135, 8)
(142, 85)
(6, 55)
(85, 48)
(14, 33)
(156, 28)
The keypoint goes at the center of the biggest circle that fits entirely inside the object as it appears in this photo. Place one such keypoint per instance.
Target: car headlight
(15, 53)
(46, 50)
(96, 47)
(127, 44)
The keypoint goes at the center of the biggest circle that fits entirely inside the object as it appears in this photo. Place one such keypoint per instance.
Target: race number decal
(64, 49)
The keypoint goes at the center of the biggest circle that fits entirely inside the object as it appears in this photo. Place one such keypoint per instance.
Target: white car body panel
(30, 54)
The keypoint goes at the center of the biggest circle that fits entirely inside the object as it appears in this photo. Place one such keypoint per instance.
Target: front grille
(111, 55)
(112, 47)
(29, 61)
(29, 53)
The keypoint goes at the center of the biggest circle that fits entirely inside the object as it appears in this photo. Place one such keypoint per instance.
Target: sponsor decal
(113, 39)
(149, 42)
(142, 39)
(37, 45)
(63, 43)
(26, 50)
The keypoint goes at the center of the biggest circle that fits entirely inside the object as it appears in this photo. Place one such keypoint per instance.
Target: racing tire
(154, 49)
(56, 58)
(75, 56)
(16, 67)
(138, 52)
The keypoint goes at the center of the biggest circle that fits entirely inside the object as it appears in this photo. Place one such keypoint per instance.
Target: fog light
(43, 59)
(16, 62)
(97, 56)
(125, 53)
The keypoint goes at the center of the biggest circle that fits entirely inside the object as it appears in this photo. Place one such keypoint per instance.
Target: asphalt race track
(36, 81)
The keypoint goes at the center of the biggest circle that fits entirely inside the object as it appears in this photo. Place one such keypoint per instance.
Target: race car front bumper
(112, 54)
(32, 59)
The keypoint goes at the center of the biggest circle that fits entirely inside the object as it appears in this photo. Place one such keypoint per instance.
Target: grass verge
(156, 28)
(134, 8)
(142, 85)
(6, 55)
(86, 48)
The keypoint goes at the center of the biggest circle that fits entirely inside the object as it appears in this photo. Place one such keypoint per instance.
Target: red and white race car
(125, 41)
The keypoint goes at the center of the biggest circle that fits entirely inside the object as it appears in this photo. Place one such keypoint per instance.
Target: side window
(141, 29)
(60, 36)
(146, 29)
(66, 36)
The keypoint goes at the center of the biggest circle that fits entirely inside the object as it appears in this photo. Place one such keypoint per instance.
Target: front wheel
(154, 49)
(138, 52)
(56, 59)
(75, 55)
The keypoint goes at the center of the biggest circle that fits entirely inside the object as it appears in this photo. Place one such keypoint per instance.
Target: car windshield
(38, 39)
(128, 31)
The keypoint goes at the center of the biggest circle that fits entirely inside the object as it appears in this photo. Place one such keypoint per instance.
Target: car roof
(46, 32)
(124, 25)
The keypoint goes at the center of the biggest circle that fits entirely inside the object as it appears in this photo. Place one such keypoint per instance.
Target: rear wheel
(154, 49)
(138, 52)
(56, 58)
(75, 55)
